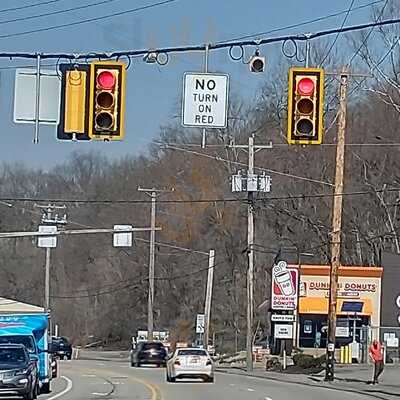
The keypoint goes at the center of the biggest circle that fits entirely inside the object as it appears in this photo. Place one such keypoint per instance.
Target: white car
(189, 363)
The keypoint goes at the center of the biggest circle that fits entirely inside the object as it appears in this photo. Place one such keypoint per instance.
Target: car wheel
(210, 379)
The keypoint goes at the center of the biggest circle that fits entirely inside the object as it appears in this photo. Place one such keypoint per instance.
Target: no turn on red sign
(205, 100)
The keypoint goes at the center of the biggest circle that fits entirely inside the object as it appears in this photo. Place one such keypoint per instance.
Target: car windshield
(12, 355)
(192, 352)
(27, 341)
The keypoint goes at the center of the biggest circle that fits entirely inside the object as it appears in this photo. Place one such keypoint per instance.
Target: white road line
(268, 398)
(250, 390)
(65, 391)
(88, 376)
(100, 394)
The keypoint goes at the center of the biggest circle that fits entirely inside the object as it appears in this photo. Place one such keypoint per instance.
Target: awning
(319, 305)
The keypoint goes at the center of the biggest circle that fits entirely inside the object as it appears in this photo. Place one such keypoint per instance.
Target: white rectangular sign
(283, 331)
(47, 241)
(25, 97)
(123, 239)
(282, 318)
(200, 322)
(284, 286)
(205, 100)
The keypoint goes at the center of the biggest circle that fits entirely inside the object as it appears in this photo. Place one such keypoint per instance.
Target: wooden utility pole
(207, 308)
(336, 228)
(251, 179)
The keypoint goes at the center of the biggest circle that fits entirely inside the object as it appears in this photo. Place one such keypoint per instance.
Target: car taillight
(177, 362)
(209, 362)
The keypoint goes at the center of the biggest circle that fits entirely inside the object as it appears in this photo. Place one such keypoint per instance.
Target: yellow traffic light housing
(107, 100)
(305, 105)
(74, 104)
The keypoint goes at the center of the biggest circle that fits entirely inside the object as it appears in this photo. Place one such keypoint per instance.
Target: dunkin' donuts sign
(284, 286)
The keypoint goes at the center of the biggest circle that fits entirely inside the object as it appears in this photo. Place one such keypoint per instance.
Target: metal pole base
(330, 366)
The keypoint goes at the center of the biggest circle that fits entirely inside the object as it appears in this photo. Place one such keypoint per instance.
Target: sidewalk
(351, 378)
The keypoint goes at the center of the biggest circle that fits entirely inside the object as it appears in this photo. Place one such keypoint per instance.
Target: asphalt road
(95, 380)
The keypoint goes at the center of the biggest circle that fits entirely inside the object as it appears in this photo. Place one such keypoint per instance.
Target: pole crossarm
(7, 235)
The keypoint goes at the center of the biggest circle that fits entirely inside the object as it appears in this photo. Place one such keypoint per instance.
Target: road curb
(271, 378)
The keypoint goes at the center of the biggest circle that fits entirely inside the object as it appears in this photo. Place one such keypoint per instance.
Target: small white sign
(205, 100)
(200, 322)
(25, 97)
(47, 241)
(123, 239)
(283, 331)
(282, 318)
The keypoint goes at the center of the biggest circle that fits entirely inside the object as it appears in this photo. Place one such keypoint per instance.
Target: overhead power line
(368, 34)
(182, 49)
(215, 200)
(338, 34)
(88, 20)
(40, 4)
(297, 25)
(51, 13)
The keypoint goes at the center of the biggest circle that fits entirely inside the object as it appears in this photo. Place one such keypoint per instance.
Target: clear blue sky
(153, 92)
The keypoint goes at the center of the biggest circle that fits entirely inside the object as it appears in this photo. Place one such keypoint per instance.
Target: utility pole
(153, 193)
(336, 228)
(250, 268)
(250, 184)
(207, 308)
(51, 220)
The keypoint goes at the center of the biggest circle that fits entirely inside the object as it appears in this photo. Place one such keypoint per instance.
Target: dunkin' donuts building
(359, 304)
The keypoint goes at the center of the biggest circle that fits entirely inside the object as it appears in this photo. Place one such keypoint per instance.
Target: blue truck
(30, 329)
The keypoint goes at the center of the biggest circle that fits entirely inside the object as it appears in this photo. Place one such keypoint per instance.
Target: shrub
(308, 361)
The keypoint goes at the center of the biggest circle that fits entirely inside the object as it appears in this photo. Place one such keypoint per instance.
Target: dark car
(149, 353)
(61, 347)
(18, 372)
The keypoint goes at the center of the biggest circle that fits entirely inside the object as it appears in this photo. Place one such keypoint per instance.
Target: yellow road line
(154, 389)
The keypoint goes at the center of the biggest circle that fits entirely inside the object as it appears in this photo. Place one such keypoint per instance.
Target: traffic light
(74, 102)
(305, 105)
(107, 100)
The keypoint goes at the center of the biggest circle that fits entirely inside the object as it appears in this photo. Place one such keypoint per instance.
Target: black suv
(18, 372)
(149, 353)
(61, 347)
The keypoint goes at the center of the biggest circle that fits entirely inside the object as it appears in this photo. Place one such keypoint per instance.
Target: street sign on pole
(25, 97)
(47, 241)
(200, 322)
(205, 100)
(123, 239)
(283, 331)
(282, 318)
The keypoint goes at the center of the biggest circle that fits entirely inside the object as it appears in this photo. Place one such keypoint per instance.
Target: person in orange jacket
(376, 354)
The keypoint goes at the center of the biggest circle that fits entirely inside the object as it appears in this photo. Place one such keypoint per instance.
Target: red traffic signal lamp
(305, 105)
(107, 100)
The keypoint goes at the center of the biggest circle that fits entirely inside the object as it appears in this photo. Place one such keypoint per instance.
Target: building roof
(9, 306)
